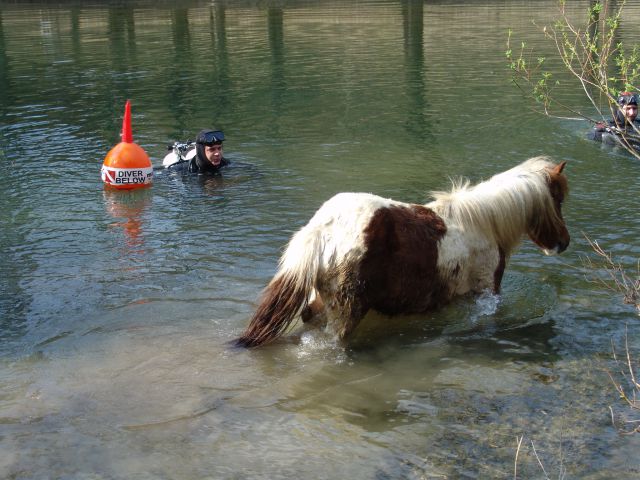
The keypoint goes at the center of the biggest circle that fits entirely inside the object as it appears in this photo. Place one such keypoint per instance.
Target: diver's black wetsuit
(198, 164)
(193, 166)
(611, 134)
(620, 130)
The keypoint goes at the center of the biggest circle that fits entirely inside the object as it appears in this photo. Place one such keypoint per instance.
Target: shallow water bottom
(143, 400)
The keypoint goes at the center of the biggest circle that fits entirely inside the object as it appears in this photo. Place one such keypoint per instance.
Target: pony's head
(547, 228)
(525, 199)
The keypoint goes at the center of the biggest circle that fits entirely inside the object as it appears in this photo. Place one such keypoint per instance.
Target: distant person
(207, 156)
(623, 126)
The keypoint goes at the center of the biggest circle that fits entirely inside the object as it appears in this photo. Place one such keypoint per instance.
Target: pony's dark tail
(288, 292)
(281, 301)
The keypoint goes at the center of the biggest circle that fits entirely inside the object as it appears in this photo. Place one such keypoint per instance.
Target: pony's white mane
(503, 207)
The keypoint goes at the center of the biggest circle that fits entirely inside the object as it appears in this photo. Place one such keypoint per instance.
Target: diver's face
(630, 112)
(213, 154)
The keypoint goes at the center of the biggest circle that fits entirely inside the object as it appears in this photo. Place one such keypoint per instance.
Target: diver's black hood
(203, 165)
(619, 120)
(624, 99)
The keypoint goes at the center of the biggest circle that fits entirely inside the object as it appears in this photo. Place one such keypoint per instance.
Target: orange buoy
(127, 165)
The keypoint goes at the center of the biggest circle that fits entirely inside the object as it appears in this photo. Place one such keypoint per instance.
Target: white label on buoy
(127, 176)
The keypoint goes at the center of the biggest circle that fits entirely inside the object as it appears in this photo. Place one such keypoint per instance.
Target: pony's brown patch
(398, 272)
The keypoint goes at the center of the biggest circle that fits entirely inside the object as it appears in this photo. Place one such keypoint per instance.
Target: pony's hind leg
(314, 312)
(344, 321)
(341, 317)
(345, 316)
(336, 303)
(346, 304)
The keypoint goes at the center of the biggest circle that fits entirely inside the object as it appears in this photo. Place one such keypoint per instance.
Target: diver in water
(208, 157)
(624, 128)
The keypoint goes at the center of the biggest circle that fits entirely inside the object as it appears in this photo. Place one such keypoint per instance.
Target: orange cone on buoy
(127, 165)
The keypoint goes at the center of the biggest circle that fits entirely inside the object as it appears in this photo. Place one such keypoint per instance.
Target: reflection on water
(127, 208)
(116, 307)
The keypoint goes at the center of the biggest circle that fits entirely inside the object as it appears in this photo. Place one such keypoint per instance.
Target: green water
(115, 308)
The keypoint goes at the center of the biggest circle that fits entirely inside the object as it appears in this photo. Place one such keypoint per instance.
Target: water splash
(486, 304)
(316, 342)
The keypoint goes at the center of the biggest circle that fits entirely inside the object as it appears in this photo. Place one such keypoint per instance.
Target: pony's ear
(559, 168)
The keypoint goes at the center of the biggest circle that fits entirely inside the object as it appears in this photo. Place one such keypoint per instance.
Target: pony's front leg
(492, 270)
(499, 271)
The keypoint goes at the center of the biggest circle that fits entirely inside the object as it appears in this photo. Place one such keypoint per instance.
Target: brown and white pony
(362, 252)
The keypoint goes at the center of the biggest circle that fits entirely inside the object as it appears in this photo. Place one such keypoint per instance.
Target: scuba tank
(179, 152)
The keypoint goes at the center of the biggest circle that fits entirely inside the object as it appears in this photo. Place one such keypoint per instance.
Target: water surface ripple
(116, 308)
